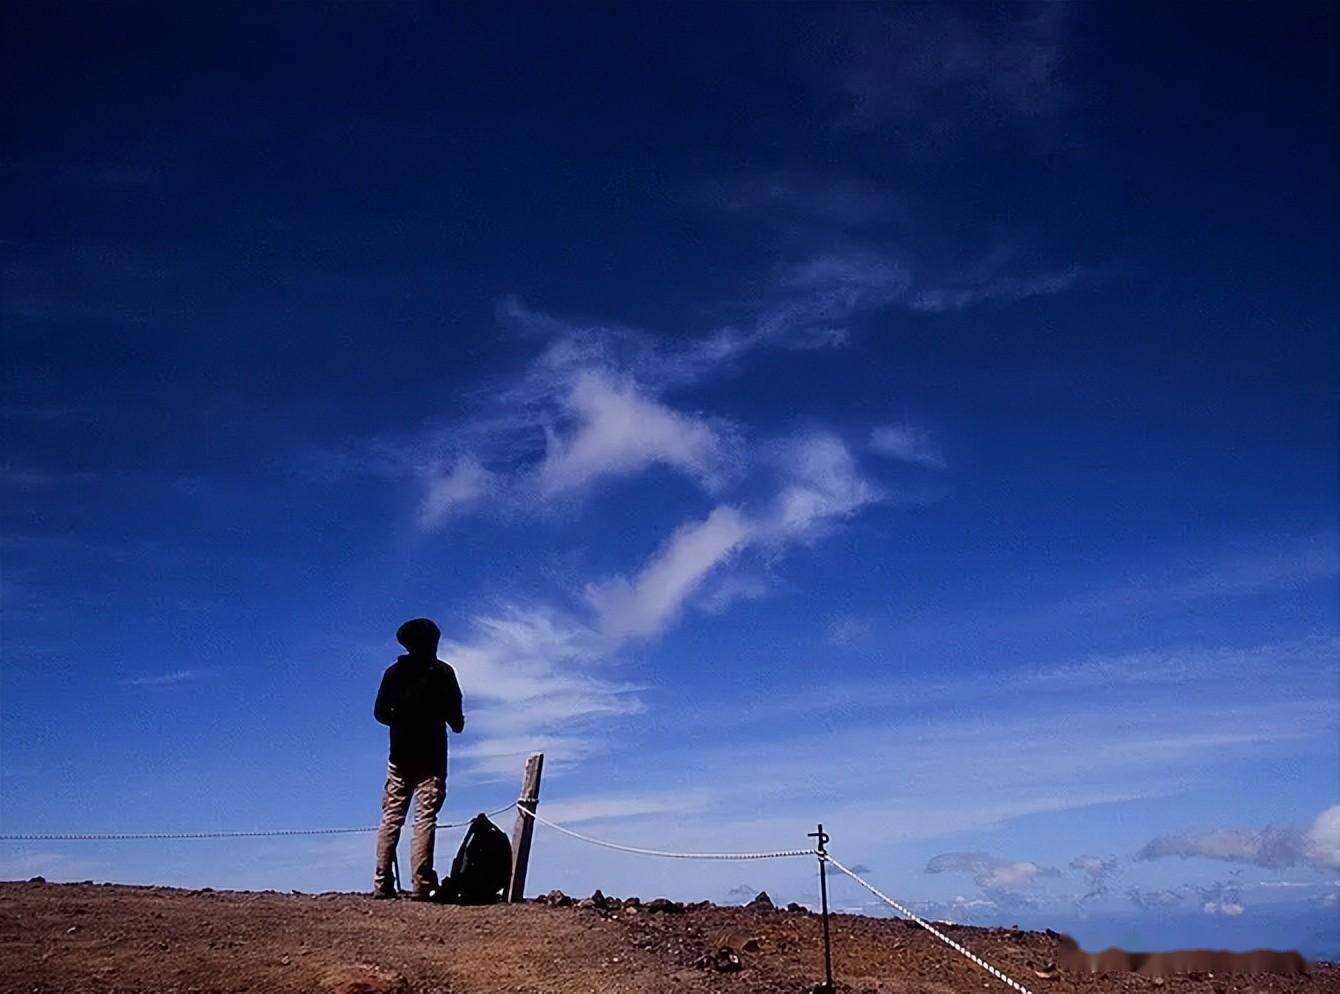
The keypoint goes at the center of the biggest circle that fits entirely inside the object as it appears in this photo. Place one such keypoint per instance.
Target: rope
(275, 833)
(778, 854)
(932, 929)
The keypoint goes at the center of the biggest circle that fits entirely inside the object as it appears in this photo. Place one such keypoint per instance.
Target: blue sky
(916, 418)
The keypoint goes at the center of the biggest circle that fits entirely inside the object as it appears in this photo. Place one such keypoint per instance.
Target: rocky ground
(59, 938)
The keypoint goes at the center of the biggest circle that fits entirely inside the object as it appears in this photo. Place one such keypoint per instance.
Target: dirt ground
(65, 938)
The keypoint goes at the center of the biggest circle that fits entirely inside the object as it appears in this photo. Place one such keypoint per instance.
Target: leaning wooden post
(525, 826)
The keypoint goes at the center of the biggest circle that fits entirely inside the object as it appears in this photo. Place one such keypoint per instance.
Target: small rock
(762, 902)
(557, 899)
(664, 905)
(72, 930)
(794, 906)
(724, 960)
(37, 880)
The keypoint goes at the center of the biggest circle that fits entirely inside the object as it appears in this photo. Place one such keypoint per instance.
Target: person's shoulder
(445, 668)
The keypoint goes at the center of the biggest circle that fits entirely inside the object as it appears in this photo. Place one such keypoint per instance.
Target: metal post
(821, 848)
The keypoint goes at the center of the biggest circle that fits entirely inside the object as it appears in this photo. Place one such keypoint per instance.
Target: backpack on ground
(482, 867)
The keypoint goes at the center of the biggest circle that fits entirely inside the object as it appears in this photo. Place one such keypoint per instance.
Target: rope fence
(525, 806)
(907, 913)
(777, 854)
(266, 833)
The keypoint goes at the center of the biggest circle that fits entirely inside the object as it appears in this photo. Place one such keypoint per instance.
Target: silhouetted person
(419, 697)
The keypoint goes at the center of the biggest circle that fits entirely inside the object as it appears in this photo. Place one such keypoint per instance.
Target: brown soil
(110, 938)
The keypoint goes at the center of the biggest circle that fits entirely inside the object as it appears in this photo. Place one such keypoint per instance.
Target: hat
(421, 634)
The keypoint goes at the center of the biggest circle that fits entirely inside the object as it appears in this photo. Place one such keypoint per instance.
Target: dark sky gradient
(268, 271)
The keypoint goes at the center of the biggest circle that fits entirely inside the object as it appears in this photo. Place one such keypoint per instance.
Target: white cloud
(731, 588)
(1321, 845)
(541, 672)
(999, 878)
(1099, 869)
(823, 485)
(620, 430)
(648, 603)
(445, 493)
(1271, 847)
(596, 808)
(1268, 847)
(591, 405)
(908, 444)
(532, 682)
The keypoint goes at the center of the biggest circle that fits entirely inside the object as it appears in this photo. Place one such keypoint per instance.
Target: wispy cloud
(646, 604)
(594, 404)
(822, 485)
(1155, 900)
(542, 671)
(451, 490)
(166, 679)
(535, 683)
(623, 807)
(907, 443)
(994, 288)
(847, 629)
(1001, 880)
(1273, 846)
(1099, 871)
(619, 430)
(937, 77)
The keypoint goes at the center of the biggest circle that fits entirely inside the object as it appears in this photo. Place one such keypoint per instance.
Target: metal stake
(821, 848)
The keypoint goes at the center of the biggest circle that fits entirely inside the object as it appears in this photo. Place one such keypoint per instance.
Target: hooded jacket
(418, 698)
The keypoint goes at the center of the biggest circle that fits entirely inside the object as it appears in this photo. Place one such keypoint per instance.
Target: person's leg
(431, 791)
(395, 805)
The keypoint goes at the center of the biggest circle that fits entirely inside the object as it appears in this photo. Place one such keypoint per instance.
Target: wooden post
(525, 827)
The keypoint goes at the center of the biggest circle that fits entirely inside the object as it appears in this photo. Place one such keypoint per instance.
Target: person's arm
(384, 709)
(452, 707)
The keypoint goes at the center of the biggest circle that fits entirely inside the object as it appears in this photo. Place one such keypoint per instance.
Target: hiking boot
(421, 895)
(384, 894)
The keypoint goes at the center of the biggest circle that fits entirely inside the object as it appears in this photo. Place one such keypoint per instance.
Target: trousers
(404, 784)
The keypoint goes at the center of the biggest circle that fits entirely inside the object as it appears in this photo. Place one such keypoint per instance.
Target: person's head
(419, 636)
